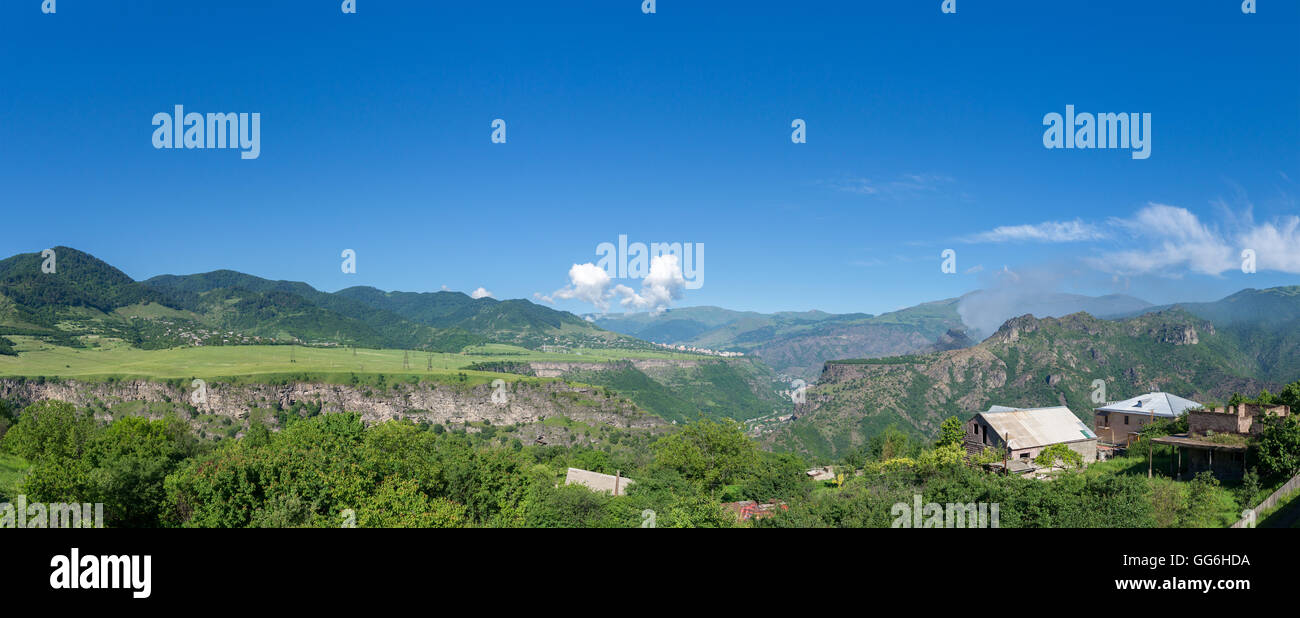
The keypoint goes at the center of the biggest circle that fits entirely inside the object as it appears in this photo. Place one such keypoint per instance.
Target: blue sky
(924, 133)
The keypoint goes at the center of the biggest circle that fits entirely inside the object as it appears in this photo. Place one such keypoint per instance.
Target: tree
(1067, 456)
(1166, 502)
(257, 434)
(713, 453)
(1278, 446)
(50, 429)
(1163, 427)
(122, 465)
(400, 504)
(1249, 489)
(951, 432)
(892, 443)
(779, 476)
(940, 457)
(1290, 396)
(990, 455)
(567, 506)
(1201, 506)
(130, 461)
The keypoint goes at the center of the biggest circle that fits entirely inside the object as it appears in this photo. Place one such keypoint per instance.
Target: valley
(908, 369)
(1207, 352)
(438, 391)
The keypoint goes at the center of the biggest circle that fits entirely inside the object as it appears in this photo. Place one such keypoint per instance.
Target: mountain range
(798, 344)
(86, 302)
(86, 296)
(1203, 351)
(910, 368)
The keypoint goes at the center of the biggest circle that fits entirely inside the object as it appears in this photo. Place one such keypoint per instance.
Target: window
(1125, 419)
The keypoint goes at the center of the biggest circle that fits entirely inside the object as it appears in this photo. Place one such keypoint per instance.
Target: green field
(1285, 514)
(113, 358)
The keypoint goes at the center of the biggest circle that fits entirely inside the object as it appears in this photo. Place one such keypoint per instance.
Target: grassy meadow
(113, 358)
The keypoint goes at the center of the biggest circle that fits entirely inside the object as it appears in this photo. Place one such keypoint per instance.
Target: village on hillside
(1038, 443)
(1207, 439)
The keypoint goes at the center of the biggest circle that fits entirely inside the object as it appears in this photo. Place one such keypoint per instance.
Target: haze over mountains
(984, 311)
(799, 343)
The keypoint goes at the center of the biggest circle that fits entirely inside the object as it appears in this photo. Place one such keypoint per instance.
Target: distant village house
(824, 473)
(1025, 432)
(611, 484)
(1119, 422)
(746, 510)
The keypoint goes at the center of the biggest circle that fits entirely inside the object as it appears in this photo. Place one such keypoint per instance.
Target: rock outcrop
(515, 403)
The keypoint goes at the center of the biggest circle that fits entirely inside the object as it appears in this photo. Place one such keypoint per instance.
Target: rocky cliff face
(524, 404)
(1028, 362)
(555, 369)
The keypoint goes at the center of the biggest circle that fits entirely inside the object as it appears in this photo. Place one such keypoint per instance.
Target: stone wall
(1200, 422)
(1242, 418)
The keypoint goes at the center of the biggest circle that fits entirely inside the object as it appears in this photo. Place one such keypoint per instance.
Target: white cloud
(1277, 246)
(591, 284)
(1160, 239)
(482, 292)
(1049, 231)
(587, 282)
(659, 289)
(1167, 240)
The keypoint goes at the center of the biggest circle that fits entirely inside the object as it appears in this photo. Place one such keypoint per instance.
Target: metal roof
(1155, 404)
(596, 481)
(1034, 427)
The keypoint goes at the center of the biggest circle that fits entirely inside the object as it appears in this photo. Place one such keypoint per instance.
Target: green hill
(79, 281)
(518, 322)
(1263, 326)
(741, 388)
(86, 298)
(288, 310)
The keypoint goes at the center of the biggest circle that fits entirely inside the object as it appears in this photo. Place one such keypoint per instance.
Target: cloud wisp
(905, 186)
(1048, 231)
(1165, 240)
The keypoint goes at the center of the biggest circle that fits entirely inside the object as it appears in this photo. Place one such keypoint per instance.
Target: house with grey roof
(1119, 422)
(1025, 432)
(595, 481)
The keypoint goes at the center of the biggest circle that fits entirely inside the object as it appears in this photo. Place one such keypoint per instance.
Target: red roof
(748, 509)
